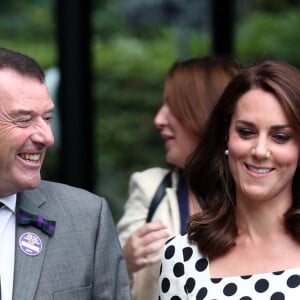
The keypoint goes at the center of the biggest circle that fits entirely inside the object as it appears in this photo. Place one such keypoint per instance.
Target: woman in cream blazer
(190, 93)
(142, 187)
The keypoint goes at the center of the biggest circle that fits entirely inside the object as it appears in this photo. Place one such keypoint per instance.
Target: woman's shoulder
(180, 244)
(154, 172)
(148, 180)
(181, 259)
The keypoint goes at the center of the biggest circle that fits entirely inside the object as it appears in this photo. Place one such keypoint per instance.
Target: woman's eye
(245, 132)
(281, 137)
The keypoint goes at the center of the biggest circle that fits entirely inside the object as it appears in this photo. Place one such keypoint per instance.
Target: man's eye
(48, 119)
(23, 122)
(244, 132)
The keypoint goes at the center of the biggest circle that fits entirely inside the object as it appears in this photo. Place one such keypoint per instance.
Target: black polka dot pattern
(165, 285)
(230, 289)
(293, 281)
(169, 252)
(185, 275)
(190, 285)
(201, 294)
(201, 265)
(187, 253)
(178, 269)
(261, 285)
(278, 296)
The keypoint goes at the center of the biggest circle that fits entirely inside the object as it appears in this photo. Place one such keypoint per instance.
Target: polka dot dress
(185, 275)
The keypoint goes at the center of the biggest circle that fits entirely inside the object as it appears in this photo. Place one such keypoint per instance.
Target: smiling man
(57, 241)
(25, 130)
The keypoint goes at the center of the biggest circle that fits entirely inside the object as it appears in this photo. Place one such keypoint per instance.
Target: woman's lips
(259, 170)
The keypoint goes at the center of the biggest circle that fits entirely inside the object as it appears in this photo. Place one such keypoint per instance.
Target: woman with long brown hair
(190, 92)
(245, 243)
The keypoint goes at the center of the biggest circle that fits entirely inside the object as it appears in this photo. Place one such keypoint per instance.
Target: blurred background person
(190, 92)
(245, 243)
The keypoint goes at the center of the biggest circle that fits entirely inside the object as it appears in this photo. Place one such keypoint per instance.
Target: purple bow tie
(25, 218)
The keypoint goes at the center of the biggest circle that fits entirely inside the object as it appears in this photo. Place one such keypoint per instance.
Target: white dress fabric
(185, 275)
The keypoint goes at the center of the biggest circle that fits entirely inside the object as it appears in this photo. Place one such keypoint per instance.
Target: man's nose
(43, 133)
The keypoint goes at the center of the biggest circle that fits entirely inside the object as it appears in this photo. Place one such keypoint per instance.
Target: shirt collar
(10, 202)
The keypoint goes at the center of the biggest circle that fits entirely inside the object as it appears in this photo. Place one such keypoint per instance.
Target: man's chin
(31, 183)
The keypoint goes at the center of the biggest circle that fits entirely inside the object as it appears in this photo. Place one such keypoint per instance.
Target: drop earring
(226, 152)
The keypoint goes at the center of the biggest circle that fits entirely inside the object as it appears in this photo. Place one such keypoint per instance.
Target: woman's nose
(160, 119)
(261, 150)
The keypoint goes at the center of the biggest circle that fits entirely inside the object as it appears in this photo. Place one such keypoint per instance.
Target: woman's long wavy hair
(215, 228)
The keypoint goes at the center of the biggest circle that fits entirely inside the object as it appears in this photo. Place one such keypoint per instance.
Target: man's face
(25, 131)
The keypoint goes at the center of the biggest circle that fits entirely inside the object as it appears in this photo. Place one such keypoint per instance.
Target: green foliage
(106, 19)
(124, 56)
(275, 6)
(129, 74)
(28, 27)
(264, 35)
(129, 71)
(23, 21)
(42, 52)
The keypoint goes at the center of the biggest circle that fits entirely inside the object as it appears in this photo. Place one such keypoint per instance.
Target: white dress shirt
(7, 245)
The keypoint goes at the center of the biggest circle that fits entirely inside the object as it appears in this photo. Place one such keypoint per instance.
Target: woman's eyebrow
(251, 124)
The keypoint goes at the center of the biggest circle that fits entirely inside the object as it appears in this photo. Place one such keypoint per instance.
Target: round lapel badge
(30, 243)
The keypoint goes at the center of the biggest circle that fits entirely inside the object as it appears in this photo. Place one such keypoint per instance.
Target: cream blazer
(142, 187)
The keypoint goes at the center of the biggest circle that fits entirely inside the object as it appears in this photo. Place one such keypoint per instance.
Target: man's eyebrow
(50, 110)
(22, 112)
(25, 112)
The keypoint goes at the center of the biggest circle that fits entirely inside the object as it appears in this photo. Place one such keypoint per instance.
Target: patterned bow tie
(25, 218)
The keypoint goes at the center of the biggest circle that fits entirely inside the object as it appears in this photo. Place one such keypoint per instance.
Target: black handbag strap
(159, 194)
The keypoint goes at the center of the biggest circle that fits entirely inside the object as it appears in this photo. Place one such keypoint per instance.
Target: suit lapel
(28, 268)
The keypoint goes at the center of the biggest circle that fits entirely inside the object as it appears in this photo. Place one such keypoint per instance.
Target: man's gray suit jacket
(82, 260)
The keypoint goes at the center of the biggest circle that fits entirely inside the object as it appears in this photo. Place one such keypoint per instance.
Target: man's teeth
(31, 157)
(259, 170)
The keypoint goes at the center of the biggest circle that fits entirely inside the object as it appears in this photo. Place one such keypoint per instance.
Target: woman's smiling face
(263, 148)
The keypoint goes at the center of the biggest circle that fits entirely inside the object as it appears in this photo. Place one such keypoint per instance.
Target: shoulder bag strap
(159, 194)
